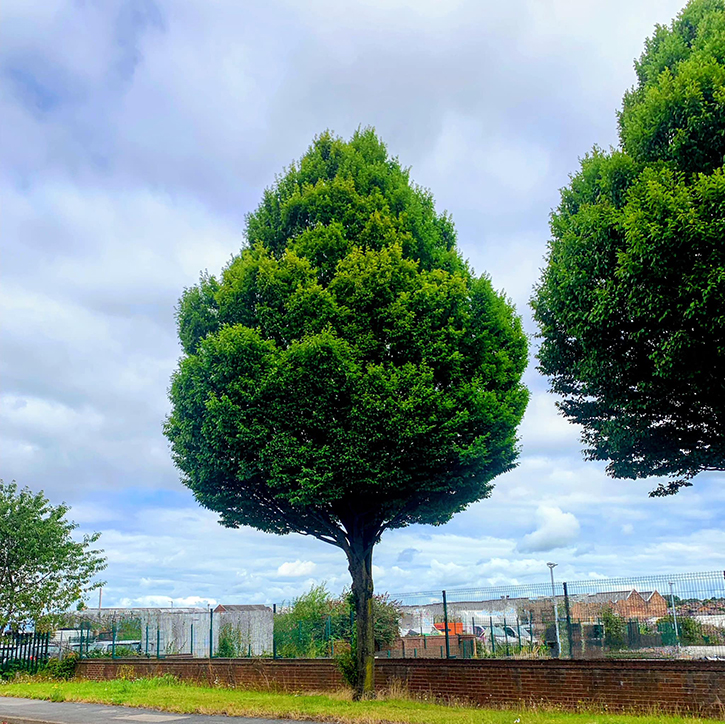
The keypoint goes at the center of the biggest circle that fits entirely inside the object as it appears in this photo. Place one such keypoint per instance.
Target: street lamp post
(556, 612)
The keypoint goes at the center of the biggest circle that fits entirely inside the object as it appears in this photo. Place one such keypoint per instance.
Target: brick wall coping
(586, 664)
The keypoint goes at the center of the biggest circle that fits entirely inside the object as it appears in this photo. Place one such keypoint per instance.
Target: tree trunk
(360, 563)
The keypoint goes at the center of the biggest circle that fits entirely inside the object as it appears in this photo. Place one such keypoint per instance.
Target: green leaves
(346, 372)
(630, 304)
(676, 113)
(316, 621)
(43, 570)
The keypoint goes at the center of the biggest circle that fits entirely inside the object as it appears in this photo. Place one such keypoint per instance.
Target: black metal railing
(23, 652)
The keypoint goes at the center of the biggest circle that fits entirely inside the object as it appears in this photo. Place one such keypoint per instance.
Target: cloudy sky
(135, 137)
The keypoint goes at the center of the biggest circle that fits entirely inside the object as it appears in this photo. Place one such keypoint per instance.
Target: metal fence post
(493, 640)
(211, 633)
(445, 622)
(158, 642)
(568, 621)
(674, 613)
(113, 640)
(47, 643)
(191, 643)
(147, 639)
(274, 636)
(531, 631)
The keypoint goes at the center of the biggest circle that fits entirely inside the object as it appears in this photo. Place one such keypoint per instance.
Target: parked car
(506, 635)
(107, 647)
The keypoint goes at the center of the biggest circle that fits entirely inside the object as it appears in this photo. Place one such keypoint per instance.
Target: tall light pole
(556, 612)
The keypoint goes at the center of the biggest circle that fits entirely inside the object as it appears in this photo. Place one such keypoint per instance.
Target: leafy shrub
(231, 642)
(317, 619)
(615, 629)
(689, 629)
(11, 668)
(63, 668)
(124, 651)
(347, 665)
(120, 652)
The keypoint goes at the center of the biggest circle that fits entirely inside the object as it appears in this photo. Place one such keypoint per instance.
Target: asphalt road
(35, 711)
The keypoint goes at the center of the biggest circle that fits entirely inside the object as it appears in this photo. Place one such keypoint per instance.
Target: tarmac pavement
(36, 711)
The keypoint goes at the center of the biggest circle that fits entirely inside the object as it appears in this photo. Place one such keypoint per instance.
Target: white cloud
(133, 145)
(556, 529)
(296, 569)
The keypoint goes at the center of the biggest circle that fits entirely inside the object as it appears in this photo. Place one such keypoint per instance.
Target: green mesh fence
(676, 616)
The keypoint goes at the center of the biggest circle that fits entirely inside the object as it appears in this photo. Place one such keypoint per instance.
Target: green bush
(120, 653)
(63, 668)
(615, 629)
(689, 629)
(347, 664)
(230, 642)
(316, 619)
(11, 668)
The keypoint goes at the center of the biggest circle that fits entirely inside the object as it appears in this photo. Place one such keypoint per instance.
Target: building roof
(606, 596)
(647, 595)
(232, 608)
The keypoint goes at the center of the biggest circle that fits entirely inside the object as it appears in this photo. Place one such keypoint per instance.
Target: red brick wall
(687, 686)
(283, 674)
(430, 647)
(694, 686)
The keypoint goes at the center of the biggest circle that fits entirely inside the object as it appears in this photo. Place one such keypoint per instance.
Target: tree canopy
(347, 373)
(43, 570)
(631, 303)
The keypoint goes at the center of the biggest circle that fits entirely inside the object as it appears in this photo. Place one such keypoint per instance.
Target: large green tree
(43, 569)
(347, 374)
(631, 304)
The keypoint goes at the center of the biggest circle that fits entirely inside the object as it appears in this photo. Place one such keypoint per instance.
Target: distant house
(657, 605)
(585, 607)
(629, 604)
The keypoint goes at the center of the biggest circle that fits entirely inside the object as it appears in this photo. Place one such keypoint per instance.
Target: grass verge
(167, 694)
